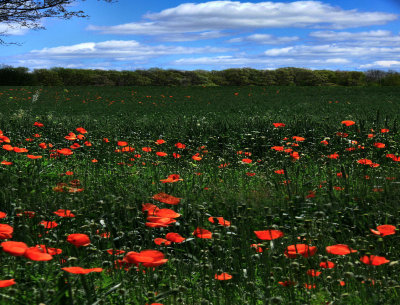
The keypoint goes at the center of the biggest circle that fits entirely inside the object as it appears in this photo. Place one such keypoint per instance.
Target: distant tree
(28, 13)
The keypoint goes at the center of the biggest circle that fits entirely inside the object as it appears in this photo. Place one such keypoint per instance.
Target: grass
(318, 201)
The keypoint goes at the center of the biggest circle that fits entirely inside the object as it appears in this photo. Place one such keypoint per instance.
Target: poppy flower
(277, 148)
(384, 130)
(14, 248)
(287, 283)
(223, 276)
(258, 247)
(70, 137)
(279, 171)
(171, 179)
(6, 283)
(33, 157)
(162, 241)
(304, 250)
(251, 174)
(158, 222)
(115, 252)
(78, 239)
(37, 254)
(8, 147)
(65, 151)
(327, 265)
(29, 214)
(160, 141)
(384, 230)
(340, 249)
(348, 123)
(161, 153)
(3, 215)
(174, 237)
(51, 251)
(220, 220)
(269, 234)
(80, 270)
(149, 207)
(165, 213)
(38, 124)
(202, 233)
(20, 150)
(146, 149)
(64, 213)
(374, 260)
(309, 286)
(364, 161)
(325, 142)
(49, 224)
(176, 156)
(298, 139)
(197, 157)
(277, 125)
(4, 162)
(180, 145)
(333, 156)
(148, 258)
(6, 231)
(379, 145)
(246, 160)
(4, 139)
(313, 272)
(75, 146)
(165, 198)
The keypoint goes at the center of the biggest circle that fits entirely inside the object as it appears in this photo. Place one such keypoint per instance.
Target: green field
(319, 182)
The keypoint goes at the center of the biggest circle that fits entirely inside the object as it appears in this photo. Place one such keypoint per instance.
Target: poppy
(49, 224)
(340, 249)
(115, 252)
(75, 146)
(223, 276)
(4, 162)
(197, 157)
(8, 147)
(6, 231)
(309, 286)
(146, 149)
(384, 130)
(65, 151)
(128, 149)
(29, 214)
(81, 130)
(80, 270)
(149, 207)
(269, 234)
(162, 241)
(171, 179)
(158, 222)
(105, 140)
(174, 237)
(364, 161)
(333, 156)
(148, 258)
(64, 213)
(70, 137)
(327, 265)
(38, 124)
(176, 156)
(374, 260)
(14, 248)
(78, 239)
(304, 250)
(202, 233)
(160, 141)
(51, 251)
(325, 142)
(384, 230)
(298, 139)
(220, 220)
(348, 123)
(251, 174)
(277, 148)
(180, 145)
(277, 125)
(165, 198)
(279, 172)
(379, 145)
(165, 213)
(104, 234)
(161, 153)
(313, 272)
(87, 143)
(6, 283)
(20, 150)
(37, 254)
(258, 247)
(246, 160)
(3, 215)
(287, 283)
(122, 143)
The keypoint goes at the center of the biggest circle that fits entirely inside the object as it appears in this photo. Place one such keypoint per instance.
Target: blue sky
(214, 35)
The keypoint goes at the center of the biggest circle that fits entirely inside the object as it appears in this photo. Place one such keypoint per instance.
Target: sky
(353, 35)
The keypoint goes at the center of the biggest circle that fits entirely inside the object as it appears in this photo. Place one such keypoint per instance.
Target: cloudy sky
(214, 35)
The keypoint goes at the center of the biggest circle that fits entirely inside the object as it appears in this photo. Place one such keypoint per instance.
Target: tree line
(21, 76)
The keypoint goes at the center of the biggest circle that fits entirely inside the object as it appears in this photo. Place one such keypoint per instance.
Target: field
(301, 212)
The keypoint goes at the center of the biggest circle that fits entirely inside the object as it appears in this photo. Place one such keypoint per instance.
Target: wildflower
(81, 130)
(223, 276)
(304, 250)
(14, 248)
(269, 234)
(38, 124)
(374, 260)
(379, 145)
(313, 272)
(340, 249)
(37, 254)
(180, 145)
(3, 215)
(277, 125)
(298, 139)
(161, 153)
(80, 270)
(160, 141)
(220, 220)
(327, 265)
(202, 233)
(148, 258)
(6, 283)
(348, 123)
(246, 160)
(174, 237)
(78, 239)
(64, 213)
(384, 230)
(49, 224)
(165, 198)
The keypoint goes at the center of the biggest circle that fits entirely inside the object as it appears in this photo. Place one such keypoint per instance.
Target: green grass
(218, 124)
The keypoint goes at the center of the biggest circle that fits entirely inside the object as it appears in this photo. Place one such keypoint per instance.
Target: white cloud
(12, 29)
(264, 39)
(371, 38)
(234, 15)
(382, 64)
(118, 50)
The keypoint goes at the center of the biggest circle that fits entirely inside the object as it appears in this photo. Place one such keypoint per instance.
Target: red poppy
(202, 233)
(8, 147)
(20, 150)
(162, 241)
(49, 224)
(251, 174)
(220, 220)
(174, 237)
(304, 250)
(374, 260)
(70, 137)
(14, 248)
(37, 254)
(176, 156)
(160, 141)
(223, 276)
(75, 146)
(180, 145)
(269, 234)
(146, 149)
(278, 125)
(161, 153)
(327, 265)
(148, 258)
(277, 148)
(309, 286)
(115, 252)
(287, 283)
(29, 214)
(313, 272)
(340, 249)
(51, 251)
(364, 161)
(279, 172)
(64, 213)
(65, 151)
(149, 207)
(325, 142)
(165, 213)
(80, 136)
(4, 162)
(6, 231)
(6, 283)
(165, 198)
(38, 124)
(384, 130)
(298, 139)
(78, 239)
(171, 179)
(81, 130)
(158, 222)
(197, 157)
(258, 247)
(333, 156)
(384, 230)
(348, 123)
(246, 160)
(3, 215)
(80, 270)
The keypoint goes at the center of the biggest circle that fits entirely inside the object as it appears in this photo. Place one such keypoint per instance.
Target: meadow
(199, 195)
